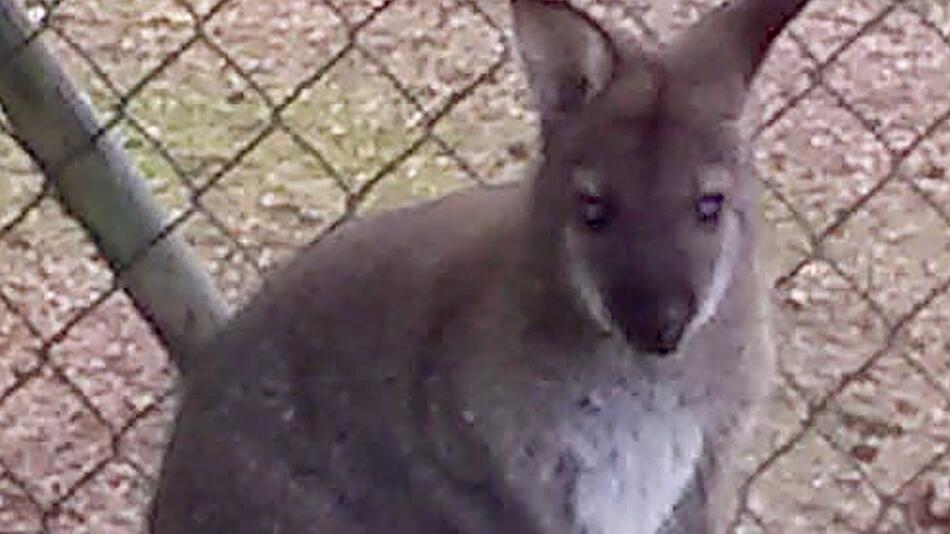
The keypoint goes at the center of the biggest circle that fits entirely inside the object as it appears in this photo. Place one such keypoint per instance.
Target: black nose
(661, 330)
(654, 322)
(668, 337)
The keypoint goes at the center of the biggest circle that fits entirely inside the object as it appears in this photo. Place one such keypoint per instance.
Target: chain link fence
(260, 126)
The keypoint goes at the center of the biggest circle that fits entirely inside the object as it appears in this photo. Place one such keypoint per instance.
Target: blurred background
(260, 125)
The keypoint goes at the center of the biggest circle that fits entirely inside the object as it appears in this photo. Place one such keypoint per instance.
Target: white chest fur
(635, 458)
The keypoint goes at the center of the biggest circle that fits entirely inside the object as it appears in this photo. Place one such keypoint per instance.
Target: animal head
(644, 176)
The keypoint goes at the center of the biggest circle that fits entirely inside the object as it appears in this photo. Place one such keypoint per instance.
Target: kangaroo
(576, 352)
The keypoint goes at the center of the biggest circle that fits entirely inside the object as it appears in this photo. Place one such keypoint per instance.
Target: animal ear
(734, 40)
(567, 56)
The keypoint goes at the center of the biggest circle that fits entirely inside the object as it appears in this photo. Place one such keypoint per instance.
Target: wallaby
(577, 352)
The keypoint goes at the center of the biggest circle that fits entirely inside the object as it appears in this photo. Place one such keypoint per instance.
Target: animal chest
(633, 456)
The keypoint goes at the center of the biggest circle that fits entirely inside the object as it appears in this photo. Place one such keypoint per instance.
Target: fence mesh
(262, 125)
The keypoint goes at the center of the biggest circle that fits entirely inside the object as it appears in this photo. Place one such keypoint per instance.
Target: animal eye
(709, 208)
(594, 211)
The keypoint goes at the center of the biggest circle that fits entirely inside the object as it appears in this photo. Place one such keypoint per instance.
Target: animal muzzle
(655, 325)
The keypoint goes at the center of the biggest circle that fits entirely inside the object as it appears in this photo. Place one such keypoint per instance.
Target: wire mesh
(263, 125)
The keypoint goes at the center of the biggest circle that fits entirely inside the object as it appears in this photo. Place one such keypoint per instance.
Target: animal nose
(668, 338)
(653, 323)
(671, 327)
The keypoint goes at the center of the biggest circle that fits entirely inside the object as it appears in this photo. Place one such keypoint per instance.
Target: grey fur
(498, 360)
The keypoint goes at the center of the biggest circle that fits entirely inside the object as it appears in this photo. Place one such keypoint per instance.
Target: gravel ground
(856, 436)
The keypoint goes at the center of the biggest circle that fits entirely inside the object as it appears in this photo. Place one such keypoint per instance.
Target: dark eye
(594, 211)
(709, 208)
